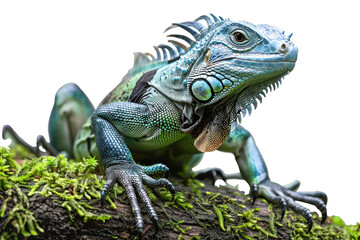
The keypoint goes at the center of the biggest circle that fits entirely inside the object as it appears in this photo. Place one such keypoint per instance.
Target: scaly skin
(170, 109)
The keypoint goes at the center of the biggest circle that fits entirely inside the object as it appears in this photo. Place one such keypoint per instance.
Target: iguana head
(239, 57)
(224, 72)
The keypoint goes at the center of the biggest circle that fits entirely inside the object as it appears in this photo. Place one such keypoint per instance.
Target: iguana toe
(158, 169)
(156, 183)
(317, 202)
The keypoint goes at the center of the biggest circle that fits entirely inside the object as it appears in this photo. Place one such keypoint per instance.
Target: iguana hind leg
(70, 111)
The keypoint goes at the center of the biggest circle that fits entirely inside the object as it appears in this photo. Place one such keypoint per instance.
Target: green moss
(73, 183)
(220, 217)
(194, 184)
(272, 220)
(194, 238)
(20, 219)
(21, 152)
(7, 168)
(179, 201)
(334, 229)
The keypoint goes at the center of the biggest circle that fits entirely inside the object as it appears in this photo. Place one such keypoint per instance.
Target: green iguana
(170, 109)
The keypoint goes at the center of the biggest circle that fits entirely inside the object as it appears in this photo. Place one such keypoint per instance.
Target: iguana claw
(254, 191)
(286, 196)
(282, 204)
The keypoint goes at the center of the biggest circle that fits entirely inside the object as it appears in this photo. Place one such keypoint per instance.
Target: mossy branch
(57, 198)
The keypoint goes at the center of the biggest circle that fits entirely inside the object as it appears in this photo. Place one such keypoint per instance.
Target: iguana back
(143, 63)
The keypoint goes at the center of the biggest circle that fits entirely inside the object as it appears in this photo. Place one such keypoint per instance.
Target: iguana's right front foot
(132, 177)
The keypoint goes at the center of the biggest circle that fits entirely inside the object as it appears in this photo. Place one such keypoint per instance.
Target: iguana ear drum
(201, 90)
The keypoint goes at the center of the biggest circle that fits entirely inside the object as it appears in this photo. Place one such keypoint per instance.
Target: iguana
(171, 108)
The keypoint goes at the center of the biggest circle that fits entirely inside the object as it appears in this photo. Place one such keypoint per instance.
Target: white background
(308, 129)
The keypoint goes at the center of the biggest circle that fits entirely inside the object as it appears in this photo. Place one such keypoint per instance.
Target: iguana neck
(171, 80)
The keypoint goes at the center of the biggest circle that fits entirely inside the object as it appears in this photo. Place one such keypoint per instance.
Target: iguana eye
(240, 37)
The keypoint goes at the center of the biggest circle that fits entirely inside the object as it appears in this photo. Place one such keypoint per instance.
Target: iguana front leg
(111, 122)
(254, 172)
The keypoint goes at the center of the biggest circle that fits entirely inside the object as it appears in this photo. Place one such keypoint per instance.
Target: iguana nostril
(283, 47)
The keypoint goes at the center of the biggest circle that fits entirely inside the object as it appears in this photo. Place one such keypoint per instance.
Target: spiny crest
(247, 102)
(166, 52)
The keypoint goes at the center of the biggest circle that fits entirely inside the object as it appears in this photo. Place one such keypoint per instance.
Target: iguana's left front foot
(287, 195)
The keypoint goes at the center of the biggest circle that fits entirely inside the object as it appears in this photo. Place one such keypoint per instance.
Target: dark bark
(59, 224)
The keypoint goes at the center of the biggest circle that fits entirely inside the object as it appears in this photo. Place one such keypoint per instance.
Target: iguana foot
(287, 195)
(132, 177)
(9, 133)
(211, 173)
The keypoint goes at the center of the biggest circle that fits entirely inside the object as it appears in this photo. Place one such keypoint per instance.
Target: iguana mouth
(262, 58)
